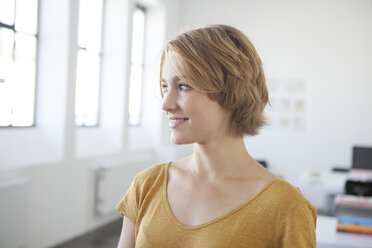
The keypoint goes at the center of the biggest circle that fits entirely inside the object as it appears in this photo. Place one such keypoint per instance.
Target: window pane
(87, 89)
(25, 46)
(26, 16)
(90, 24)
(17, 93)
(6, 68)
(138, 36)
(6, 42)
(23, 84)
(23, 93)
(7, 11)
(135, 93)
(135, 87)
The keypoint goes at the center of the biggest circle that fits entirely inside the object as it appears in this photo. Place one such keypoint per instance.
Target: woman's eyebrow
(175, 79)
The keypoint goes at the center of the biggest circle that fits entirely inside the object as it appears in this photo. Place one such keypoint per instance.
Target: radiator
(13, 212)
(111, 183)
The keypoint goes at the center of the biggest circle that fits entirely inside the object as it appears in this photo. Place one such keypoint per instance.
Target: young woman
(214, 93)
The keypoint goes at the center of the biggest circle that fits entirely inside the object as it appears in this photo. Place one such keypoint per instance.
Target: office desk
(328, 237)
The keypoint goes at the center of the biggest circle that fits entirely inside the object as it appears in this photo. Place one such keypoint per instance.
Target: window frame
(144, 10)
(100, 55)
(36, 35)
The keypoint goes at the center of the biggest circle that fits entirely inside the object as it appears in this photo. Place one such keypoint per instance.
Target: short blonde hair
(221, 61)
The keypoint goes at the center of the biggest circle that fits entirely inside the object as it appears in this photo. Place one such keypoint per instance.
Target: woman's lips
(175, 122)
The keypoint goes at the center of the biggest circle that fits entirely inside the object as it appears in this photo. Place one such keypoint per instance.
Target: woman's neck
(221, 159)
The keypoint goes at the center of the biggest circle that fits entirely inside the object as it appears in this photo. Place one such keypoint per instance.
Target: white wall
(326, 45)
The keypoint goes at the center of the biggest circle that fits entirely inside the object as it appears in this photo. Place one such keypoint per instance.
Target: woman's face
(193, 116)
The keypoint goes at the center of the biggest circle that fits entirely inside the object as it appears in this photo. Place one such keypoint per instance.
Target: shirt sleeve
(128, 206)
(298, 228)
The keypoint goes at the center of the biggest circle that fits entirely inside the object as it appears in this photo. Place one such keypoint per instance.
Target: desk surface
(328, 237)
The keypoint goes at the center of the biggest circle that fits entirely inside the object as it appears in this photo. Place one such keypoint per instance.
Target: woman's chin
(180, 140)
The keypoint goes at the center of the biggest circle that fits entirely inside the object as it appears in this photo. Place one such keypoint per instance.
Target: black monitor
(362, 158)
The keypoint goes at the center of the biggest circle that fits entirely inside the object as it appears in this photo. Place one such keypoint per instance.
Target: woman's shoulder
(151, 174)
(283, 192)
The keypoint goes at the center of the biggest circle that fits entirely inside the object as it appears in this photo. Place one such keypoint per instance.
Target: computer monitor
(362, 158)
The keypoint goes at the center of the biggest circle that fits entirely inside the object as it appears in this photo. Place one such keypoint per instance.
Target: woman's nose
(169, 101)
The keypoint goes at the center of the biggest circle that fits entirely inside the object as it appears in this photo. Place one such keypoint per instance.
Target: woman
(214, 92)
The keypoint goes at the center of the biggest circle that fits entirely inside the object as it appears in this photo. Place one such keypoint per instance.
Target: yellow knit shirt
(277, 216)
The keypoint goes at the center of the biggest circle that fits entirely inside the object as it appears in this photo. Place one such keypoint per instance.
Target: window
(136, 69)
(18, 45)
(88, 63)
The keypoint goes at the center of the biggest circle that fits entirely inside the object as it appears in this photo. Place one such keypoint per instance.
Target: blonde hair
(221, 61)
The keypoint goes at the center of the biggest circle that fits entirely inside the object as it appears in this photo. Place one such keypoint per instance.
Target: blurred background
(80, 108)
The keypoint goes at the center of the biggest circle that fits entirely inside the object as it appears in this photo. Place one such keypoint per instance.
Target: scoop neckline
(210, 222)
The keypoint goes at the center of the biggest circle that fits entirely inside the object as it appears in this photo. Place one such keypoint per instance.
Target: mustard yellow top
(277, 216)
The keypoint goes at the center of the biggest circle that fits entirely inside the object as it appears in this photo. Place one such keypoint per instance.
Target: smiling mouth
(175, 122)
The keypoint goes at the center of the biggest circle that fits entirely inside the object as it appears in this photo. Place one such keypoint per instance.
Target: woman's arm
(127, 236)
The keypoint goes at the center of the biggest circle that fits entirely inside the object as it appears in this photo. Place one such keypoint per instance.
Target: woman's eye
(184, 87)
(164, 88)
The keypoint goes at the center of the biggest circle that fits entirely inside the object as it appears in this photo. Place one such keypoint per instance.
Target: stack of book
(354, 214)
